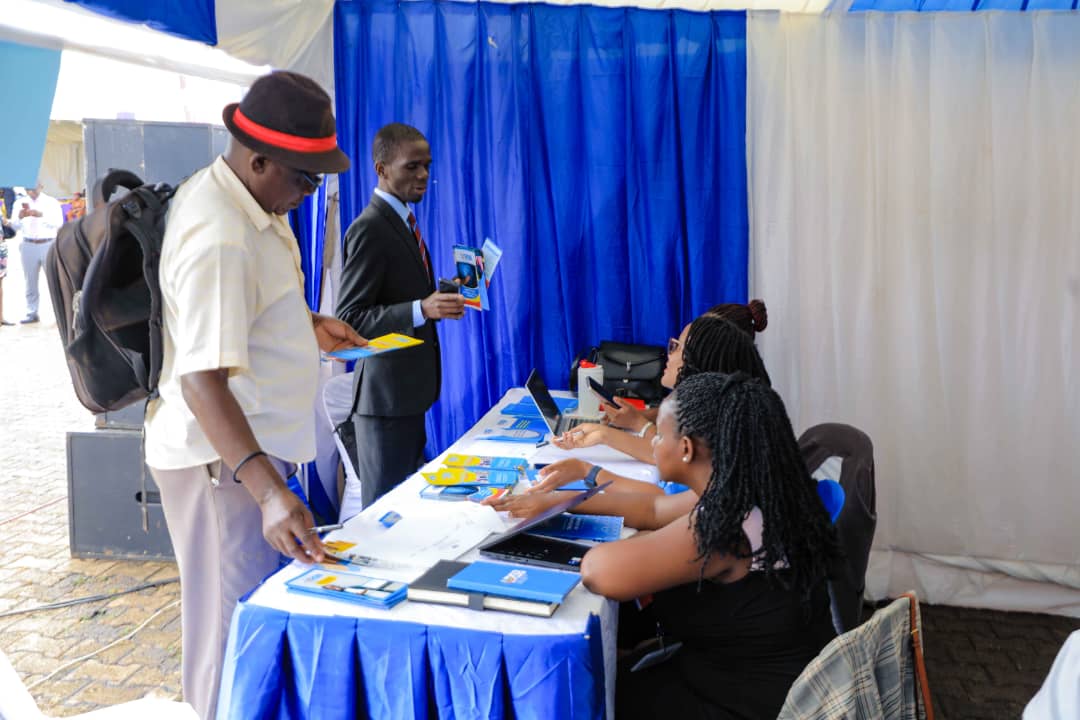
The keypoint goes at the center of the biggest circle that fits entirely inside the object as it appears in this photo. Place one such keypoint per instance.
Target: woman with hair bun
(751, 318)
(709, 344)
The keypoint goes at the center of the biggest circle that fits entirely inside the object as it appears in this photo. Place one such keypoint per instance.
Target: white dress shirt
(233, 297)
(403, 211)
(38, 228)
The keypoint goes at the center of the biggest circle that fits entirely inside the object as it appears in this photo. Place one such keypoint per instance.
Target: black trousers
(388, 450)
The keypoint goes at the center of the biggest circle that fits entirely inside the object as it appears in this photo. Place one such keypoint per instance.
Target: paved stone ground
(38, 408)
(981, 664)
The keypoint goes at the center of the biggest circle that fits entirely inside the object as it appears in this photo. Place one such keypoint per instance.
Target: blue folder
(515, 581)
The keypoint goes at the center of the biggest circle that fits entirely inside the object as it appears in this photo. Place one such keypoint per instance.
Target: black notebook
(431, 587)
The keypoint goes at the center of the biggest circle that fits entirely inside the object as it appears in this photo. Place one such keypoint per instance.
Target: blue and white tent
(895, 179)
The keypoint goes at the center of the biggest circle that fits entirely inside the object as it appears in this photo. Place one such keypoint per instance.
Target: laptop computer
(555, 420)
(519, 546)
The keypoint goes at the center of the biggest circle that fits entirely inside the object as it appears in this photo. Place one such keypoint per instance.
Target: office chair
(857, 520)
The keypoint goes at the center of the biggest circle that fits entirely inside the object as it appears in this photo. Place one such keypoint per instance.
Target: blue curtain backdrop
(191, 19)
(603, 149)
(309, 224)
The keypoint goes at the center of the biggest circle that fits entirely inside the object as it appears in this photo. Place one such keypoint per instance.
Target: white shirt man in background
(37, 217)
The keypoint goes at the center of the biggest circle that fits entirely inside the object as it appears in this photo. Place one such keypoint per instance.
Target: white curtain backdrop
(915, 232)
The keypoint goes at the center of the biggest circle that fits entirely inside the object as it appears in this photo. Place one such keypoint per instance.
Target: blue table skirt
(282, 665)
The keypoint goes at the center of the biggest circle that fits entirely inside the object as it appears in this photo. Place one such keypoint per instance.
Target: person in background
(240, 364)
(76, 207)
(6, 233)
(735, 570)
(752, 318)
(37, 216)
(387, 286)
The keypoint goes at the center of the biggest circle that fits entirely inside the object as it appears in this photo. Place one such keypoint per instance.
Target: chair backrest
(874, 672)
(337, 402)
(857, 520)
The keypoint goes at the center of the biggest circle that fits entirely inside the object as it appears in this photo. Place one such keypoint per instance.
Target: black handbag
(629, 370)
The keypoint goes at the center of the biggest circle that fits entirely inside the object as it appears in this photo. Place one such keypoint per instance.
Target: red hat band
(285, 141)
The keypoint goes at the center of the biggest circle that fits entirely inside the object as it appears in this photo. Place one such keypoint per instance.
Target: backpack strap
(145, 209)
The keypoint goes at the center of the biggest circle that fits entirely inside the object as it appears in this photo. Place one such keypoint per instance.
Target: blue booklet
(600, 528)
(349, 586)
(515, 581)
(517, 430)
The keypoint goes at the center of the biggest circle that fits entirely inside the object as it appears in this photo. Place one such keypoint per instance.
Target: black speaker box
(105, 485)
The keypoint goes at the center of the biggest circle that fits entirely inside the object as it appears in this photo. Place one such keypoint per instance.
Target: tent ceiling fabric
(60, 25)
(925, 6)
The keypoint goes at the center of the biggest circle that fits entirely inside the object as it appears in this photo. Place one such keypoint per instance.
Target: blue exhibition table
(293, 656)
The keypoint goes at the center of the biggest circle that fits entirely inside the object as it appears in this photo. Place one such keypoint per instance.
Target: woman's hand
(584, 435)
(524, 506)
(555, 475)
(624, 415)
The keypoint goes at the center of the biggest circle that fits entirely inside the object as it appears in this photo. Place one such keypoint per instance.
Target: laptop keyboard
(567, 424)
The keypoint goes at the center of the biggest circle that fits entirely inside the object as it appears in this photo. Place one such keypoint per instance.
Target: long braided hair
(716, 345)
(755, 462)
(750, 318)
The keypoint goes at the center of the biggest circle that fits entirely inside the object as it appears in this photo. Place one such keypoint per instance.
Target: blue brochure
(515, 581)
(348, 586)
(469, 264)
(600, 528)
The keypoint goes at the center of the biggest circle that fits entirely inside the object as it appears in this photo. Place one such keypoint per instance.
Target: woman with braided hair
(751, 318)
(735, 569)
(709, 344)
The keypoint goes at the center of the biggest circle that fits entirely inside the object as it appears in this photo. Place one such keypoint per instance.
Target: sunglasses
(313, 181)
(672, 345)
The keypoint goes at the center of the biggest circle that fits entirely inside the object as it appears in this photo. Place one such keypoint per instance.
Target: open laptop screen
(544, 402)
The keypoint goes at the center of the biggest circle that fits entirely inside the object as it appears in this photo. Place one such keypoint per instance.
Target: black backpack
(103, 278)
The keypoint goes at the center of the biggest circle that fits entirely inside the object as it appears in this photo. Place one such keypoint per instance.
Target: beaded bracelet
(236, 470)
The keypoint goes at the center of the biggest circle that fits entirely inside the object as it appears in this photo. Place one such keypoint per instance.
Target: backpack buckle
(132, 208)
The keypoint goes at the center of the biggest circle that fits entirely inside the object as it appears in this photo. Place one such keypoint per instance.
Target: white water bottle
(588, 401)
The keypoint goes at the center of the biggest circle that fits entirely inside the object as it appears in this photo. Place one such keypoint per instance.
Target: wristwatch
(590, 477)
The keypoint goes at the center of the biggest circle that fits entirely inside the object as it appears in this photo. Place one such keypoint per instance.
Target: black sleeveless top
(744, 643)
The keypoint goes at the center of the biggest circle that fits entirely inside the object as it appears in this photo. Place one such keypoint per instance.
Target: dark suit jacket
(381, 276)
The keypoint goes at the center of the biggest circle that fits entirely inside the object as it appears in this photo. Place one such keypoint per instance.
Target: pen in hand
(319, 529)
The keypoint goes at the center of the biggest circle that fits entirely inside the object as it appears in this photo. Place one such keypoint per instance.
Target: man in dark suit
(387, 285)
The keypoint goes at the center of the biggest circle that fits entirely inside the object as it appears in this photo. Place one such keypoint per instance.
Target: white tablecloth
(406, 501)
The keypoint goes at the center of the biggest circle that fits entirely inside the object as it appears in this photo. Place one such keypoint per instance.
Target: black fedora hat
(287, 117)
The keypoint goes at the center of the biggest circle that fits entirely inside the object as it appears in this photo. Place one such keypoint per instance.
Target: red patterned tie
(420, 242)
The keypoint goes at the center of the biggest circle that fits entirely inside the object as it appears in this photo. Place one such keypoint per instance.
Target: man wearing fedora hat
(241, 358)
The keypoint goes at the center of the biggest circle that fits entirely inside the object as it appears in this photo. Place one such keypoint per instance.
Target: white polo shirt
(233, 295)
